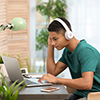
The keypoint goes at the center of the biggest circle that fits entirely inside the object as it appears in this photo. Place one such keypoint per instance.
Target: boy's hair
(56, 26)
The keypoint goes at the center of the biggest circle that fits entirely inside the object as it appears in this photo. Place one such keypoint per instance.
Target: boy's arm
(83, 83)
(52, 67)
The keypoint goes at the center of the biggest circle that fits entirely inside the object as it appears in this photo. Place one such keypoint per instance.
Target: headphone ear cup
(69, 35)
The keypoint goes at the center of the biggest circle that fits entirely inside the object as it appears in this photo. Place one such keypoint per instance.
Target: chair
(91, 96)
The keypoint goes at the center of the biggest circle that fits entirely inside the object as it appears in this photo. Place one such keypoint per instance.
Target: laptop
(14, 73)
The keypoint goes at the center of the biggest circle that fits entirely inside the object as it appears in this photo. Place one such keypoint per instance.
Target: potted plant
(51, 9)
(9, 93)
(42, 42)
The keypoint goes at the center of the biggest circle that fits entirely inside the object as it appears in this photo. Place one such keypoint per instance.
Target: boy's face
(58, 40)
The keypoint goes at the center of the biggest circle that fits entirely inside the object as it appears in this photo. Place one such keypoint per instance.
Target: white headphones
(68, 33)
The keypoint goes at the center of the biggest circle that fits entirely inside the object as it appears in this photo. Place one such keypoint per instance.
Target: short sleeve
(88, 60)
(62, 59)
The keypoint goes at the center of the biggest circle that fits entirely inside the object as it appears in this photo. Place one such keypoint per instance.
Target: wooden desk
(34, 93)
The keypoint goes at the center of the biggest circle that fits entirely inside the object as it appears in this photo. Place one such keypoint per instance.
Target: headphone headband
(68, 34)
(63, 23)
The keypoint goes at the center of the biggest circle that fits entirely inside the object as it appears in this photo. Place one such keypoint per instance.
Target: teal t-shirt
(84, 58)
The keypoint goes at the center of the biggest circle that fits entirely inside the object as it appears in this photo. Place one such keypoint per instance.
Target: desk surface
(34, 93)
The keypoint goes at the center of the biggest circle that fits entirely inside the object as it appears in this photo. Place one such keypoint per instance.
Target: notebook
(14, 73)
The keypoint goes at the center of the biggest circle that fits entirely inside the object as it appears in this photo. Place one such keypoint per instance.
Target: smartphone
(50, 89)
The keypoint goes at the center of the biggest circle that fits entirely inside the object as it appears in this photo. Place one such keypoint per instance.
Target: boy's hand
(48, 77)
(49, 40)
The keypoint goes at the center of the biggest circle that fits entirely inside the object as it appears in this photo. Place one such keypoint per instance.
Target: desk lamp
(15, 25)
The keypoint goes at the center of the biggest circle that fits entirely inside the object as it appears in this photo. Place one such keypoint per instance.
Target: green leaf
(12, 92)
(4, 82)
(20, 62)
(8, 95)
(18, 85)
(1, 60)
(22, 87)
(41, 38)
(52, 8)
(2, 90)
(15, 96)
(12, 86)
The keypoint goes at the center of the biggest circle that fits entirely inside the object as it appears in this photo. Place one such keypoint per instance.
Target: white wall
(84, 16)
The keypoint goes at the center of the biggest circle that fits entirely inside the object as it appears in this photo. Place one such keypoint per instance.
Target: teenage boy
(82, 59)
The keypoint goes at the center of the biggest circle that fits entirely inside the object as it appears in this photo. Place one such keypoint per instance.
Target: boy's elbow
(88, 86)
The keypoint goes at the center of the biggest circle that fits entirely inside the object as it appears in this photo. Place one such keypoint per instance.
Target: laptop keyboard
(30, 82)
